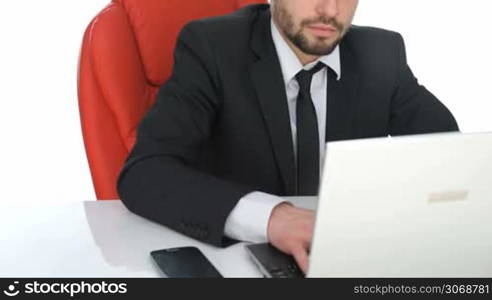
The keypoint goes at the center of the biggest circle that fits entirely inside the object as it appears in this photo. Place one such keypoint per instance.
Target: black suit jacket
(220, 126)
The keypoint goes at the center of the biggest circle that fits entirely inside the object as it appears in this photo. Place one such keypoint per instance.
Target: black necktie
(307, 135)
(332, 85)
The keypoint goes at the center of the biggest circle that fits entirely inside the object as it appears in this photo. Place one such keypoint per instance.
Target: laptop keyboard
(274, 263)
(289, 271)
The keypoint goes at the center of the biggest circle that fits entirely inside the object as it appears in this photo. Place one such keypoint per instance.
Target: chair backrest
(127, 53)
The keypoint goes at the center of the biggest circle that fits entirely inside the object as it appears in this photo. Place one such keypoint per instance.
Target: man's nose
(328, 8)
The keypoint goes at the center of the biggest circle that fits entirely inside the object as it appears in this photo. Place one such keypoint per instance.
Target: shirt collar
(291, 65)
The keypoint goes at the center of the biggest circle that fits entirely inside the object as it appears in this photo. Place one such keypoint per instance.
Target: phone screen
(184, 262)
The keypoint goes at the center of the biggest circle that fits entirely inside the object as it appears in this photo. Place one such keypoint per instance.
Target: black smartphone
(184, 262)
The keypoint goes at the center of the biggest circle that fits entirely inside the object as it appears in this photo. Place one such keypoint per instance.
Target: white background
(42, 155)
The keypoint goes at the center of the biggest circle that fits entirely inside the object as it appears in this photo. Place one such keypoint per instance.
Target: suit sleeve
(159, 180)
(414, 110)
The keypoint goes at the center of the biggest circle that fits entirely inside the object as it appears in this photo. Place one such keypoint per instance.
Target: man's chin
(315, 46)
(322, 45)
(320, 49)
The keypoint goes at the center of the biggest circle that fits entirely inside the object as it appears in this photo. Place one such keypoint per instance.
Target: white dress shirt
(248, 221)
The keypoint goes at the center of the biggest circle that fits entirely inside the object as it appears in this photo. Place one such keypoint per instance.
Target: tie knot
(304, 77)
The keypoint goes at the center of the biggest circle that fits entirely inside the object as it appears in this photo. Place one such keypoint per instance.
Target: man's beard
(299, 39)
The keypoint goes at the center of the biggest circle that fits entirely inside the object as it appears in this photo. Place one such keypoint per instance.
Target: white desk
(98, 239)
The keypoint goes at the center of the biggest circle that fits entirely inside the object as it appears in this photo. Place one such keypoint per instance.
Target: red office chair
(126, 55)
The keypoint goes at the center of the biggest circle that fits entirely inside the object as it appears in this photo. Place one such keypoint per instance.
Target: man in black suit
(244, 118)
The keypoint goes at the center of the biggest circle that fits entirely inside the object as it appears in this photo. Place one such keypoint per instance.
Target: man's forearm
(165, 190)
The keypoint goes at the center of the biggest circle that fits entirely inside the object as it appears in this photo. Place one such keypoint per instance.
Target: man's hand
(290, 230)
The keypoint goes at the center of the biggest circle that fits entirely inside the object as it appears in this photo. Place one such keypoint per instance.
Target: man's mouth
(322, 30)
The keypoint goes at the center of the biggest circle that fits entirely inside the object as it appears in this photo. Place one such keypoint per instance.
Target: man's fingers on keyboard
(301, 257)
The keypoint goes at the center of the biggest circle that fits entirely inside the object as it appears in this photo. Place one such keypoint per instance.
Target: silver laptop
(415, 206)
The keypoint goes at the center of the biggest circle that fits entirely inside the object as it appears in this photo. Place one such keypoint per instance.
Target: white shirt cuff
(248, 221)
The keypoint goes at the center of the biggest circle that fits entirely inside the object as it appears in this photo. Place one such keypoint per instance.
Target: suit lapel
(342, 99)
(267, 78)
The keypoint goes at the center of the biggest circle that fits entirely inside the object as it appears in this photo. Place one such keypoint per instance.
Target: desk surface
(98, 239)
